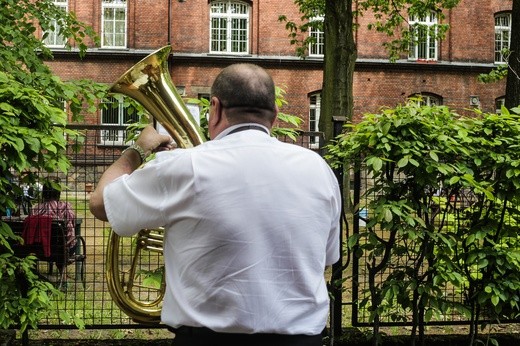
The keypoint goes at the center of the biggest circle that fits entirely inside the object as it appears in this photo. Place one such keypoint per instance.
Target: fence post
(337, 268)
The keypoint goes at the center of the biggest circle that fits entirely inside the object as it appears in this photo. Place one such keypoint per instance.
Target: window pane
(115, 114)
(421, 43)
(110, 115)
(114, 23)
(428, 99)
(502, 36)
(108, 14)
(229, 27)
(119, 28)
(239, 35)
(314, 117)
(432, 54)
(219, 7)
(109, 27)
(423, 32)
(120, 15)
(53, 38)
(218, 34)
(316, 48)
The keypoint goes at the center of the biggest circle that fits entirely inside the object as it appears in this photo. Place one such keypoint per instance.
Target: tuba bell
(148, 82)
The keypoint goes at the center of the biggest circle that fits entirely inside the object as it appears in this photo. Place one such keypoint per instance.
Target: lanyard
(248, 127)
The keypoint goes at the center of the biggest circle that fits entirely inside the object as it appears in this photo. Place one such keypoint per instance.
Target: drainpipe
(258, 28)
(169, 21)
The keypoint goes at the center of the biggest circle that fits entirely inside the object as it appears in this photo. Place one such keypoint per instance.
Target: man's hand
(150, 141)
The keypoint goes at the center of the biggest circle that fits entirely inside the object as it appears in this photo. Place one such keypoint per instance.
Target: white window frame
(502, 36)
(114, 7)
(53, 39)
(114, 137)
(229, 27)
(425, 49)
(499, 102)
(316, 48)
(314, 119)
(429, 99)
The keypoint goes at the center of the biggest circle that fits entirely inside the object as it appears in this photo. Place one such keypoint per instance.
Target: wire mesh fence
(407, 263)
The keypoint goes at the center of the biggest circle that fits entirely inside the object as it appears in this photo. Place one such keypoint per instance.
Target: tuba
(148, 82)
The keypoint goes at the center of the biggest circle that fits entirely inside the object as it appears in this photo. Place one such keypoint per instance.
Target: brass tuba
(149, 83)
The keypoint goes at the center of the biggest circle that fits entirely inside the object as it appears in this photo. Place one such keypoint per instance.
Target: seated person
(59, 210)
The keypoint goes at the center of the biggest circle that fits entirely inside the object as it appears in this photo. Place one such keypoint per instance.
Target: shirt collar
(238, 126)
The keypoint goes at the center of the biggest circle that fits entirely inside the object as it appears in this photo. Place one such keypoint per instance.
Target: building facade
(207, 35)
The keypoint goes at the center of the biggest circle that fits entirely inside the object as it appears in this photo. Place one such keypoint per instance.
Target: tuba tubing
(149, 83)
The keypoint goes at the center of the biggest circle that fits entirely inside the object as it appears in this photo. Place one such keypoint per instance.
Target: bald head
(246, 92)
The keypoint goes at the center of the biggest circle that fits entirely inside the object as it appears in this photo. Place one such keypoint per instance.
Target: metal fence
(353, 268)
(89, 303)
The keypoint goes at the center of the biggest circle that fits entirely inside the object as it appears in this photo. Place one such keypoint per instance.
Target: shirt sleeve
(139, 200)
(133, 201)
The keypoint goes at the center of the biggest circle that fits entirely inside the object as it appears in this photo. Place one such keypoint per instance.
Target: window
(314, 119)
(499, 103)
(428, 99)
(51, 36)
(113, 30)
(423, 32)
(229, 27)
(113, 113)
(316, 46)
(502, 36)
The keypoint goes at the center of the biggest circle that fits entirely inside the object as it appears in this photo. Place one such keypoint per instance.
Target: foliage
(152, 278)
(340, 51)
(311, 12)
(443, 212)
(291, 123)
(498, 73)
(25, 298)
(32, 133)
(204, 105)
(390, 18)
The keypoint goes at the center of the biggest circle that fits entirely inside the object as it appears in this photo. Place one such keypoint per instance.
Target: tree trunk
(513, 74)
(339, 62)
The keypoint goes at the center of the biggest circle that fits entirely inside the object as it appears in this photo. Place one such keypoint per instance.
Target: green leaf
(414, 162)
(495, 300)
(377, 164)
(352, 240)
(388, 215)
(453, 180)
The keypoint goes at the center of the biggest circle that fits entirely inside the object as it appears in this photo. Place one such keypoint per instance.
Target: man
(250, 222)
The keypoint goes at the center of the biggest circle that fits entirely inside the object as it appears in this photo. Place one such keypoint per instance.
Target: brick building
(208, 35)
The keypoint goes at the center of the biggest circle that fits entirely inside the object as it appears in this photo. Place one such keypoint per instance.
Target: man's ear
(216, 111)
(275, 115)
(216, 117)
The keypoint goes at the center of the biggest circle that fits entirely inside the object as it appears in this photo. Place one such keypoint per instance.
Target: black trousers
(192, 336)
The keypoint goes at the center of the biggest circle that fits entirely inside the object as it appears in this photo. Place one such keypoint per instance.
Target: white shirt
(250, 224)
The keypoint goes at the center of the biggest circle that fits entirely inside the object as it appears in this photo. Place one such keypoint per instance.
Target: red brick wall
(148, 24)
(470, 40)
(190, 26)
